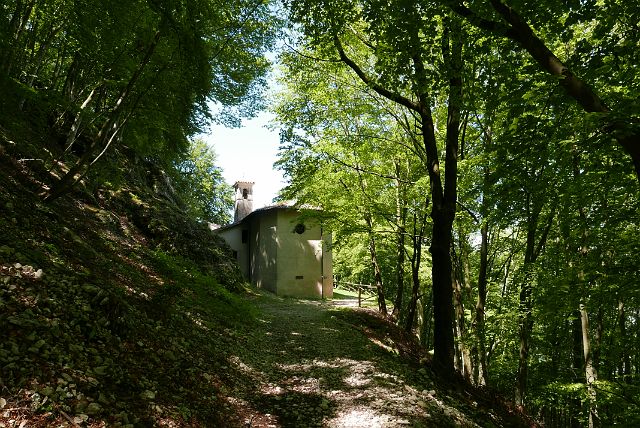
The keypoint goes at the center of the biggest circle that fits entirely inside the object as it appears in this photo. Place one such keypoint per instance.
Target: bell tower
(244, 199)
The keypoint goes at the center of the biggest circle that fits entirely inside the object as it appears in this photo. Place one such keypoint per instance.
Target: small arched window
(245, 193)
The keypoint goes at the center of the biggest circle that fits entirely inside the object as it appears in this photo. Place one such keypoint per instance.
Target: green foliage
(188, 285)
(344, 148)
(174, 231)
(202, 187)
(138, 77)
(557, 199)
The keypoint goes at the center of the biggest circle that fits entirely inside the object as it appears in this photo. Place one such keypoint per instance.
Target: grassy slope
(116, 310)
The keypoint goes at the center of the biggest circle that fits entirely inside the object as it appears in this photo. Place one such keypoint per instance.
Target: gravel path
(313, 364)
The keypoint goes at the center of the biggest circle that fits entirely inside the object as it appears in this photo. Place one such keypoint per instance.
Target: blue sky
(248, 154)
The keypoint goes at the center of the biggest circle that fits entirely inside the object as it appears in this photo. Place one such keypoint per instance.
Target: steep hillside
(116, 309)
(114, 306)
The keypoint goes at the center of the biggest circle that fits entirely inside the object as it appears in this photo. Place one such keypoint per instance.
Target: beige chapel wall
(300, 262)
(264, 250)
(233, 237)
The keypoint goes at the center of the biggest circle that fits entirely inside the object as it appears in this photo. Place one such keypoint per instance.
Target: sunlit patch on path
(310, 364)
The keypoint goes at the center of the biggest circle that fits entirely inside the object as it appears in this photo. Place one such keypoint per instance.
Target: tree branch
(478, 21)
(366, 171)
(393, 96)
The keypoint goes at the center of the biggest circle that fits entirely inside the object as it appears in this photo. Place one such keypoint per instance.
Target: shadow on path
(313, 364)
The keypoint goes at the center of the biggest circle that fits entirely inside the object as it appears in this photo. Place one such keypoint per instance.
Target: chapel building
(278, 250)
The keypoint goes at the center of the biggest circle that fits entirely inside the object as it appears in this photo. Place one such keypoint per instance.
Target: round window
(300, 228)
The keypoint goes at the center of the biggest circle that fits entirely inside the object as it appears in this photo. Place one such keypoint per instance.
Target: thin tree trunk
(75, 126)
(70, 81)
(107, 132)
(637, 354)
(525, 307)
(382, 304)
(471, 344)
(60, 55)
(577, 367)
(17, 24)
(401, 219)
(38, 62)
(416, 259)
(625, 360)
(465, 359)
(377, 274)
(577, 351)
(479, 327)
(415, 289)
(598, 340)
(525, 321)
(590, 372)
(426, 327)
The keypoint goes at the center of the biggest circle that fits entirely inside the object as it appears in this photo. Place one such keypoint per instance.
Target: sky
(248, 154)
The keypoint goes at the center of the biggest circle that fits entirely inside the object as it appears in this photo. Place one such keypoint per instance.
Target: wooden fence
(368, 290)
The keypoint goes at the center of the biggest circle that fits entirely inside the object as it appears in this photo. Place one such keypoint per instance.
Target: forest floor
(312, 364)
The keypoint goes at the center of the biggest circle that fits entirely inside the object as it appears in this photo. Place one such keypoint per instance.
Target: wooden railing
(367, 289)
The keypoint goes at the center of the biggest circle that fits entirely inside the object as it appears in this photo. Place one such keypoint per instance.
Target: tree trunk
(577, 351)
(401, 218)
(416, 259)
(415, 289)
(107, 132)
(464, 365)
(426, 336)
(443, 198)
(17, 25)
(625, 360)
(598, 340)
(525, 307)
(590, 372)
(382, 304)
(637, 354)
(377, 274)
(442, 293)
(479, 324)
(38, 61)
(576, 365)
(525, 323)
(70, 81)
(397, 304)
(75, 126)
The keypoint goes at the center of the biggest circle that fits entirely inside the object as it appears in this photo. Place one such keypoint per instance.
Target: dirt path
(312, 364)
